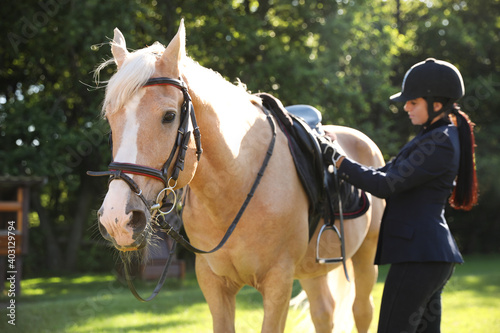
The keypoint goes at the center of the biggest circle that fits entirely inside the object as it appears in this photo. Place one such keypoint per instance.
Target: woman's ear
(438, 106)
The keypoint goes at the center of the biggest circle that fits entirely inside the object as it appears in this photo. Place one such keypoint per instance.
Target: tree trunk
(54, 260)
(80, 218)
(398, 16)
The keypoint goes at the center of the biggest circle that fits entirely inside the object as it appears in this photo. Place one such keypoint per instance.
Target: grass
(471, 299)
(99, 303)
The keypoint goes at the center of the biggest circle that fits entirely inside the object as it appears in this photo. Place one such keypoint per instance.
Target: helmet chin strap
(445, 108)
(430, 111)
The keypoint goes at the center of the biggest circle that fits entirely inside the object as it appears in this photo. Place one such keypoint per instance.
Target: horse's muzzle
(136, 225)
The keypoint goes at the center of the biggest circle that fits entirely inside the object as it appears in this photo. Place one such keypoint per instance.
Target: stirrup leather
(330, 225)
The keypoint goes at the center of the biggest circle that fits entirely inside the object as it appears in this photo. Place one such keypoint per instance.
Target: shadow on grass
(101, 303)
(61, 304)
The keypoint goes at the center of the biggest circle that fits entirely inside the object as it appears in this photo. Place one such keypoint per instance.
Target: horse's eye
(168, 117)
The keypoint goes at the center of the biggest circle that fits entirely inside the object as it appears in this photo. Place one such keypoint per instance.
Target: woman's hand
(332, 152)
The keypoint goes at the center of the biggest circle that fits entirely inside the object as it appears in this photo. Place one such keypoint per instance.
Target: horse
(153, 96)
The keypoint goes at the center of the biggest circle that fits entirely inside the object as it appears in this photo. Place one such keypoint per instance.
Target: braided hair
(465, 193)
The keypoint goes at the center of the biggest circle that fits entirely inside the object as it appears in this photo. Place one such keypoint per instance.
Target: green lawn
(98, 303)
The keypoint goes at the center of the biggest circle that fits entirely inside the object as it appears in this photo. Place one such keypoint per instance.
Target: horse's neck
(225, 140)
(234, 139)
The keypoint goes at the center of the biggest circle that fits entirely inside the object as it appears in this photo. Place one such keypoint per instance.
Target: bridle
(119, 170)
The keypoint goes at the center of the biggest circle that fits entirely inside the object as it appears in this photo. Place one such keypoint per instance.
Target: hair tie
(455, 109)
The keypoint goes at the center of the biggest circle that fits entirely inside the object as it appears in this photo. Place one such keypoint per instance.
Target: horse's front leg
(220, 296)
(365, 275)
(276, 290)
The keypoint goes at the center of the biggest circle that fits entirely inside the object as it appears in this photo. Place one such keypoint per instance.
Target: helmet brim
(399, 97)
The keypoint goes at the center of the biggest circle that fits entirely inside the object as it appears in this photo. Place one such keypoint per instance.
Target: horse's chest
(234, 266)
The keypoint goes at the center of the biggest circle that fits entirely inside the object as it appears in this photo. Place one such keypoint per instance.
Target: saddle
(302, 126)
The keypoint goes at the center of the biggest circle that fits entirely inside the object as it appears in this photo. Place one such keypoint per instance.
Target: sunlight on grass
(117, 323)
(249, 320)
(31, 282)
(34, 292)
(466, 311)
(99, 303)
(92, 278)
(141, 321)
(471, 303)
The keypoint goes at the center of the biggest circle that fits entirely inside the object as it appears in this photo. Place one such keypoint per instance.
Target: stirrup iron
(321, 260)
(342, 258)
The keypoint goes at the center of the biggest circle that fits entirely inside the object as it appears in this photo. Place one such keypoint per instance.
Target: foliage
(347, 58)
(50, 123)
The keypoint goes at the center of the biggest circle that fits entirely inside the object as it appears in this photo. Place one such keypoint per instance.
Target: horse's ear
(119, 48)
(176, 49)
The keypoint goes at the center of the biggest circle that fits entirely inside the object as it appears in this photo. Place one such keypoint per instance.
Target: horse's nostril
(103, 231)
(137, 221)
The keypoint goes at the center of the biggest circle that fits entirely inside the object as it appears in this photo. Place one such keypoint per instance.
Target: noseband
(119, 170)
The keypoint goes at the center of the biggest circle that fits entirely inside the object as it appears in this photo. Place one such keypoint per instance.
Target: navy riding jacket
(416, 185)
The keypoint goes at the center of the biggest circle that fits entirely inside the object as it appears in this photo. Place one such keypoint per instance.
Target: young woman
(414, 236)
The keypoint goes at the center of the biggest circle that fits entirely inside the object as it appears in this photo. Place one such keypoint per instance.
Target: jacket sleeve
(427, 160)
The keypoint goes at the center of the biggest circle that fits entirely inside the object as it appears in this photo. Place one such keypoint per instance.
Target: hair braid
(465, 193)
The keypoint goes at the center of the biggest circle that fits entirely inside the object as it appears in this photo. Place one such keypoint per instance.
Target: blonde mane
(137, 68)
(208, 84)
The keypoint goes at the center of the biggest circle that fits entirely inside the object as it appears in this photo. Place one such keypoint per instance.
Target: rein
(119, 170)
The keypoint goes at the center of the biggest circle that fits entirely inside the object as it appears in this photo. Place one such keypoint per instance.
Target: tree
(49, 121)
(343, 57)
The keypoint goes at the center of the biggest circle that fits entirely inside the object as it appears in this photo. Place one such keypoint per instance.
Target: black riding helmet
(432, 79)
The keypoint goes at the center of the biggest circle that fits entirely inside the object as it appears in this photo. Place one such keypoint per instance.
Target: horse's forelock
(137, 68)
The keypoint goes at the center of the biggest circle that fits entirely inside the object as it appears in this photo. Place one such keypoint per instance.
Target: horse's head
(146, 117)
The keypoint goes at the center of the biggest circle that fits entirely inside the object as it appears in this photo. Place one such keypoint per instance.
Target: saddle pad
(354, 201)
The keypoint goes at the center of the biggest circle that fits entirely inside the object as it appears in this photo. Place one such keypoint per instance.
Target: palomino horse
(270, 246)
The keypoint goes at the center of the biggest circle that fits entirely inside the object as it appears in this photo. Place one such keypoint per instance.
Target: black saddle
(302, 126)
